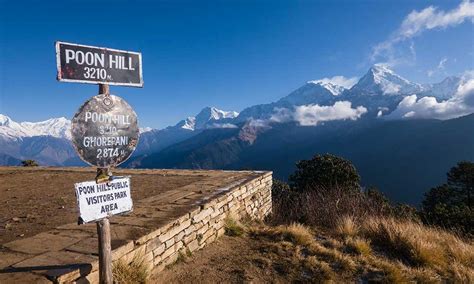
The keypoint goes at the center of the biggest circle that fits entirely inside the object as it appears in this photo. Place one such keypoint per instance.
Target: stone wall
(195, 229)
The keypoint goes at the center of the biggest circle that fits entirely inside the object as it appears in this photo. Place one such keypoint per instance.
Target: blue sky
(228, 54)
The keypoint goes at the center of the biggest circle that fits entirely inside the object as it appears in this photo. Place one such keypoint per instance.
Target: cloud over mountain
(312, 115)
(462, 103)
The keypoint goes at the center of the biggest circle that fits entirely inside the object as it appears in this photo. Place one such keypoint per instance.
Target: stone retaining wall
(195, 229)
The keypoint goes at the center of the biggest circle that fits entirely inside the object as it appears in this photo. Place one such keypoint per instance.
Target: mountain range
(402, 136)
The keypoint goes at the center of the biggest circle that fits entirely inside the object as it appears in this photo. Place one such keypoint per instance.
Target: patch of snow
(336, 85)
(145, 129)
(210, 115)
(334, 89)
(189, 123)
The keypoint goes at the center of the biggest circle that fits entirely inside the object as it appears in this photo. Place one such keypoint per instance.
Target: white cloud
(431, 18)
(439, 68)
(442, 63)
(314, 114)
(426, 107)
(465, 91)
(381, 111)
(311, 115)
(258, 123)
(281, 115)
(339, 81)
(221, 125)
(462, 103)
(417, 22)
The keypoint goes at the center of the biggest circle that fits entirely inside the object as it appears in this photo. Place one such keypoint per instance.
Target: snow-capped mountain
(379, 91)
(36, 140)
(10, 129)
(379, 94)
(47, 142)
(145, 129)
(313, 92)
(335, 89)
(212, 115)
(189, 123)
(442, 90)
(56, 127)
(382, 80)
(208, 117)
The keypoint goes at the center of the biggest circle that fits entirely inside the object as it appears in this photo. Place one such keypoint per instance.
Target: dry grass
(302, 258)
(359, 246)
(339, 259)
(346, 226)
(377, 250)
(181, 257)
(422, 247)
(393, 272)
(424, 275)
(296, 233)
(332, 243)
(233, 228)
(319, 267)
(408, 241)
(135, 272)
(385, 249)
(461, 273)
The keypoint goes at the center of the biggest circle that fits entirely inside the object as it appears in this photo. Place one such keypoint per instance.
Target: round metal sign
(105, 131)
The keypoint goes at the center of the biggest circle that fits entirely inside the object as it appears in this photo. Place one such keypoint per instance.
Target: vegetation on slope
(324, 194)
(326, 227)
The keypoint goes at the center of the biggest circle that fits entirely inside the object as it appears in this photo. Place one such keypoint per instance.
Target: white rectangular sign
(97, 201)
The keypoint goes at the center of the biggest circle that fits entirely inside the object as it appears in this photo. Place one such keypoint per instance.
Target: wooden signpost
(104, 133)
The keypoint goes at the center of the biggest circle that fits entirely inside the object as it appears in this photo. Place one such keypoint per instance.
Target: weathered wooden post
(105, 251)
(103, 225)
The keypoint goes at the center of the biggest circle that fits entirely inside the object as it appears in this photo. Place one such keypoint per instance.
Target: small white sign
(97, 201)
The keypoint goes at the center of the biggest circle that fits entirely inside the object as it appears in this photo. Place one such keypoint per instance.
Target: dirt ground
(228, 260)
(37, 200)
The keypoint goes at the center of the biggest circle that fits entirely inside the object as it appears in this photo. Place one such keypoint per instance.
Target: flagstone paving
(61, 251)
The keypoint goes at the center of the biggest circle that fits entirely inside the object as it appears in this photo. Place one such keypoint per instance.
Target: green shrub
(451, 205)
(29, 163)
(325, 172)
